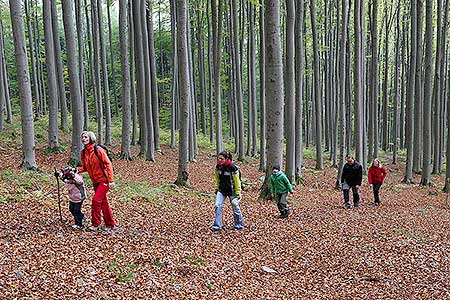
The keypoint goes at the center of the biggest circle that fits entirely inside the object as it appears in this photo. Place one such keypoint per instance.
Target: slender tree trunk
(174, 113)
(289, 96)
(185, 90)
(210, 76)
(23, 80)
(262, 91)
(111, 57)
(154, 78)
(299, 74)
(317, 92)
(252, 84)
(74, 79)
(80, 39)
(34, 74)
(358, 84)
(217, 17)
(126, 104)
(342, 84)
(409, 128)
(201, 70)
(427, 103)
(238, 80)
(385, 80)
(418, 100)
(396, 91)
(59, 69)
(51, 77)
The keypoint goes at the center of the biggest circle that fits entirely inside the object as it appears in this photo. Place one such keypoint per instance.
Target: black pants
(282, 204)
(75, 209)
(376, 192)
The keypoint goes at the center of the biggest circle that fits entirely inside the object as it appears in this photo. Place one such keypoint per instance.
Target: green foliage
(196, 261)
(141, 191)
(123, 272)
(159, 263)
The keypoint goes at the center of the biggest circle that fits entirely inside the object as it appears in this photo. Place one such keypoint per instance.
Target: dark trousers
(346, 188)
(75, 209)
(282, 204)
(376, 192)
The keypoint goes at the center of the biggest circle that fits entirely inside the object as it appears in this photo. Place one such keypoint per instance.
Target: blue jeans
(237, 214)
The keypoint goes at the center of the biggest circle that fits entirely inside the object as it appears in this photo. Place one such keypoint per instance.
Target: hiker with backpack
(376, 176)
(351, 179)
(95, 161)
(228, 184)
(280, 186)
(77, 193)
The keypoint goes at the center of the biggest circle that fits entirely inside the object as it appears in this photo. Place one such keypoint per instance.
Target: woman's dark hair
(226, 155)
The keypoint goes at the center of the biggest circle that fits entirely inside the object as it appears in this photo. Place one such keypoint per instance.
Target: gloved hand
(112, 185)
(57, 174)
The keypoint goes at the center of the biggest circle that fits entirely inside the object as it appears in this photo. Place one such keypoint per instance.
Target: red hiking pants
(100, 204)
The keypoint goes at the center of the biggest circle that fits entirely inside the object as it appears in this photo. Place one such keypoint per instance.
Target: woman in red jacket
(376, 176)
(95, 161)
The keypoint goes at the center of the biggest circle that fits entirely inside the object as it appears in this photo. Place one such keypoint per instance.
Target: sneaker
(215, 229)
(356, 204)
(238, 227)
(347, 205)
(75, 226)
(94, 228)
(110, 229)
(377, 203)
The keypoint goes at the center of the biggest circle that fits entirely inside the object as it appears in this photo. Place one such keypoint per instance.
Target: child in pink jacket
(77, 193)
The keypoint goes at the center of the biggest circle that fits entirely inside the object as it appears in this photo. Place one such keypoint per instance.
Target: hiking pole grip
(59, 196)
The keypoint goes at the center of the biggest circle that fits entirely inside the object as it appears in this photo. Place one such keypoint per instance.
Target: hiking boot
(356, 204)
(94, 228)
(347, 205)
(377, 203)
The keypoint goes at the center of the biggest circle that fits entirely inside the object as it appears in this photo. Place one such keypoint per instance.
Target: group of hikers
(95, 161)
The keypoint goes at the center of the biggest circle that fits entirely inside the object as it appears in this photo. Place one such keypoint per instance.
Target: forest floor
(164, 249)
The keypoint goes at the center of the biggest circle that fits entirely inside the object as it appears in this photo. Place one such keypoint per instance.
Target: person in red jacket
(376, 176)
(95, 161)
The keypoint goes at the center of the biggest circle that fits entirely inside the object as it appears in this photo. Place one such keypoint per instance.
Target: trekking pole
(446, 200)
(59, 197)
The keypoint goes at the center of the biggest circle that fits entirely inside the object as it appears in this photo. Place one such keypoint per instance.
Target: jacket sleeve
(237, 183)
(271, 185)
(343, 175)
(78, 179)
(82, 168)
(216, 179)
(106, 163)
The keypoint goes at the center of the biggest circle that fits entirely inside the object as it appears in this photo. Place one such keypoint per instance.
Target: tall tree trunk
(373, 102)
(174, 111)
(418, 100)
(74, 79)
(427, 101)
(274, 88)
(185, 90)
(51, 77)
(385, 80)
(80, 39)
(342, 84)
(217, 18)
(111, 57)
(23, 80)
(210, 76)
(108, 127)
(5, 81)
(59, 69)
(262, 91)
(154, 79)
(317, 92)
(238, 80)
(396, 91)
(252, 84)
(358, 84)
(97, 75)
(34, 73)
(126, 104)
(201, 70)
(299, 67)
(289, 96)
(409, 128)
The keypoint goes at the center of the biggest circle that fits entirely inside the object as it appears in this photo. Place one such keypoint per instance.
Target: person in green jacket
(279, 188)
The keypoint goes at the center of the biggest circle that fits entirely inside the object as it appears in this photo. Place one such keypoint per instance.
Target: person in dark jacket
(279, 188)
(228, 184)
(376, 176)
(351, 178)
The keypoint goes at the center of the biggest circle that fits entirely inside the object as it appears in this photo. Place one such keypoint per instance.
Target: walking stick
(59, 197)
(446, 200)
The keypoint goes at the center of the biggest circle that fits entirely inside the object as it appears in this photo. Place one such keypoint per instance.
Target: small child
(77, 193)
(279, 188)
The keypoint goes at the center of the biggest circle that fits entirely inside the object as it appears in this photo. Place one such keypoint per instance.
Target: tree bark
(23, 80)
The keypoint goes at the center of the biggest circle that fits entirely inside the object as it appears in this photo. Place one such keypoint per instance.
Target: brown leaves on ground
(164, 249)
